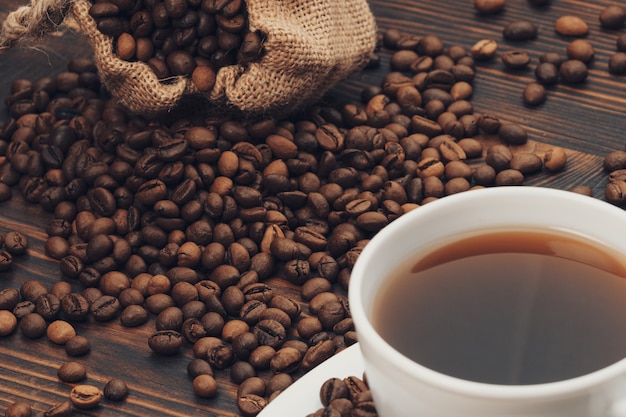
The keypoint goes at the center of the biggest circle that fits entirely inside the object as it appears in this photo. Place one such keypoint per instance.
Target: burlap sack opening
(310, 46)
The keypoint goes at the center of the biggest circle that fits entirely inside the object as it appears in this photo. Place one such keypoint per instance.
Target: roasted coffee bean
(8, 322)
(515, 59)
(372, 221)
(71, 266)
(244, 344)
(220, 356)
(111, 26)
(240, 371)
(270, 332)
(513, 133)
(57, 247)
(250, 404)
(165, 342)
(33, 326)
(6, 260)
(555, 159)
(333, 389)
(615, 160)
(105, 308)
(331, 313)
(499, 157)
(9, 298)
(15, 243)
(133, 316)
(534, 94)
(450, 150)
(401, 60)
(31, 290)
(581, 49)
(48, 306)
(484, 49)
(573, 71)
(72, 372)
(171, 318)
(19, 409)
(526, 162)
(489, 123)
(260, 357)
(615, 192)
(357, 389)
(318, 353)
(547, 73)
(570, 25)
(199, 366)
(457, 169)
(115, 390)
(286, 359)
(77, 346)
(509, 177)
(278, 383)
(60, 289)
(62, 409)
(85, 397)
(251, 311)
(192, 330)
(126, 46)
(489, 6)
(430, 167)
(612, 17)
(617, 63)
(484, 175)
(205, 386)
(98, 247)
(91, 294)
(60, 331)
(104, 9)
(520, 30)
(102, 201)
(75, 307)
(431, 45)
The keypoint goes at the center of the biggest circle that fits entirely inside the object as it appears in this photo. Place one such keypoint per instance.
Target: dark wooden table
(588, 120)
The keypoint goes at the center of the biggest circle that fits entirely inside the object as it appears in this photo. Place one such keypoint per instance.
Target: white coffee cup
(401, 387)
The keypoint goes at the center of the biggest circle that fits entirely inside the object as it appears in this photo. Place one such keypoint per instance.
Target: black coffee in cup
(508, 307)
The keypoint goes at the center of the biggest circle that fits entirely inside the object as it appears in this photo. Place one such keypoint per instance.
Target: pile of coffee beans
(193, 38)
(187, 222)
(348, 396)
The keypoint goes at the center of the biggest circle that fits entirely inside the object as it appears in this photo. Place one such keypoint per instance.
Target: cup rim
(381, 349)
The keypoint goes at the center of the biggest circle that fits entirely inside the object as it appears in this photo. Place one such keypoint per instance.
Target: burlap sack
(310, 46)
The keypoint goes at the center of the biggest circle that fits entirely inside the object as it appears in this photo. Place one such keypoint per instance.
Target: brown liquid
(509, 307)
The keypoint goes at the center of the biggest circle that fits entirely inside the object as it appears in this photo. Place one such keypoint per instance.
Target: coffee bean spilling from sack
(193, 38)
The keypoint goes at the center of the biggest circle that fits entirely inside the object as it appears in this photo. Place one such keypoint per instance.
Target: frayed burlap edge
(33, 21)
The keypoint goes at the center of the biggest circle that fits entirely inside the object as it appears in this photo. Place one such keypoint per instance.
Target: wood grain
(588, 120)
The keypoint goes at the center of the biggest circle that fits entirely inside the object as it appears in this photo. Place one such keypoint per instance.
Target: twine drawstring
(33, 21)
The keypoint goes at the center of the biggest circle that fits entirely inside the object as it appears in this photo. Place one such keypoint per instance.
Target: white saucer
(302, 398)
